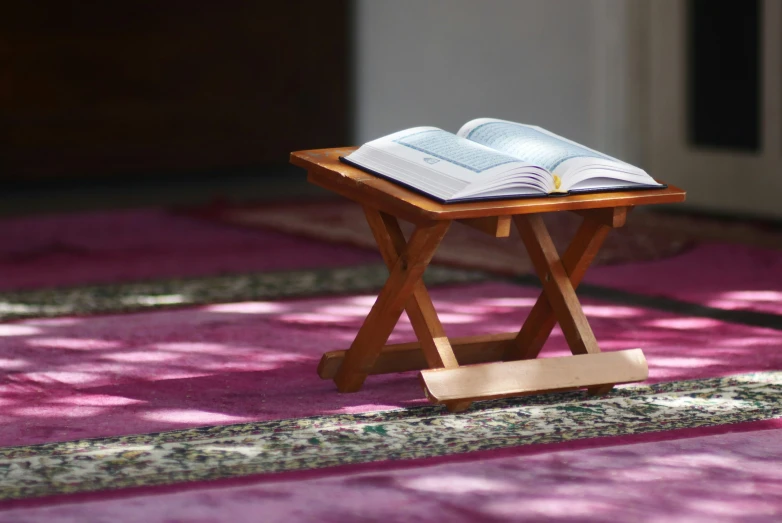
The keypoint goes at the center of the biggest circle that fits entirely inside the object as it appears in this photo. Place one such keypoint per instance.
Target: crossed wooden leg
(443, 380)
(431, 336)
(560, 278)
(403, 290)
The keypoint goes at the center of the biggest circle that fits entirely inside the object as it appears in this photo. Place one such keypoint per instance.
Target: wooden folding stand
(462, 370)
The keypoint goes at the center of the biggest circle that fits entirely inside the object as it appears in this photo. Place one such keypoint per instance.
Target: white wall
(444, 62)
(721, 180)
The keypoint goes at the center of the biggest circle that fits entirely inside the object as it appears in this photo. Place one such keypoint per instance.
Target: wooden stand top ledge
(455, 372)
(325, 170)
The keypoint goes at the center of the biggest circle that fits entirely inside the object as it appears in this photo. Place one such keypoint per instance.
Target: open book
(494, 159)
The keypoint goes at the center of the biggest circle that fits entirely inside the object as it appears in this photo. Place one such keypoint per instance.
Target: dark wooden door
(128, 87)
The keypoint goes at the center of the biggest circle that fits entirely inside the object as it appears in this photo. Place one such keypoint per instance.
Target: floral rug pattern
(217, 452)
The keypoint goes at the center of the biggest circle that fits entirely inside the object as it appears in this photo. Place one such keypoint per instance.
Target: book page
(528, 143)
(442, 145)
(441, 151)
(445, 165)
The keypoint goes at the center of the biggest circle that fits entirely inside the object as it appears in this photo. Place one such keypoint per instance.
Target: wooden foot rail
(515, 378)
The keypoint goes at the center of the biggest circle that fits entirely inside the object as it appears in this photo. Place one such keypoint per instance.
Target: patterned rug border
(171, 293)
(230, 451)
(185, 292)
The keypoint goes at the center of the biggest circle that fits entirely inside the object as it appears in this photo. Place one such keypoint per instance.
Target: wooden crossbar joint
(558, 289)
(431, 336)
(516, 378)
(420, 310)
(576, 260)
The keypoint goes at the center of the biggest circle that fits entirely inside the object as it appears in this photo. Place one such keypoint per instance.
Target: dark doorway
(724, 74)
(130, 87)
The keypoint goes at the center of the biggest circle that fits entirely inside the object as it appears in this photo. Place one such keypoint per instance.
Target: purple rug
(90, 376)
(719, 275)
(68, 378)
(121, 246)
(721, 478)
